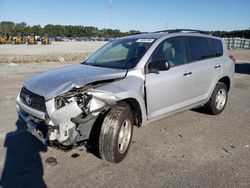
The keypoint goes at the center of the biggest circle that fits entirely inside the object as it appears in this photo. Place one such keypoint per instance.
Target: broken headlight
(82, 100)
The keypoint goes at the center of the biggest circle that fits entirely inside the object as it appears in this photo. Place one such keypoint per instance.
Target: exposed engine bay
(69, 117)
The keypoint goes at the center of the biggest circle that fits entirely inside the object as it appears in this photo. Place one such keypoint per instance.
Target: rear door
(167, 91)
(206, 67)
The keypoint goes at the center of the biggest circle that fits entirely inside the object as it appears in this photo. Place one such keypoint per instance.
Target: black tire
(115, 119)
(212, 106)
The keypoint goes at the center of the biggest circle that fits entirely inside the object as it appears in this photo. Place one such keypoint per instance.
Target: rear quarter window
(217, 47)
(199, 48)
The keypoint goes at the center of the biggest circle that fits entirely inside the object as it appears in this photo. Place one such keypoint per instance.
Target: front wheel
(116, 134)
(218, 100)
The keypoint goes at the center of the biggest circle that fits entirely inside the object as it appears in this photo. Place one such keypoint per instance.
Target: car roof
(159, 34)
(146, 35)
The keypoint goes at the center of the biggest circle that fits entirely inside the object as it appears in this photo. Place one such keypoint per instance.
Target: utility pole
(110, 14)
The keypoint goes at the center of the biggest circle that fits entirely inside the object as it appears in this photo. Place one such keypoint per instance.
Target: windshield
(120, 53)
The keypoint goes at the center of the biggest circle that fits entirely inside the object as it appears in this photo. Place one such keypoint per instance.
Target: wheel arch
(136, 110)
(226, 81)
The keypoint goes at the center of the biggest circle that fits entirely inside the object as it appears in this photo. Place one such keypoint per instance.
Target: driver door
(169, 90)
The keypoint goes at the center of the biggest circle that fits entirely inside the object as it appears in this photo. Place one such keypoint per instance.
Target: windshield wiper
(96, 65)
(84, 63)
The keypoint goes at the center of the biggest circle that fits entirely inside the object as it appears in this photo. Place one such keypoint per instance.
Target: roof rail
(185, 31)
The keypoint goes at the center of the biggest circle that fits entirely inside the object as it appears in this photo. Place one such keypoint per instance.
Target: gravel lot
(190, 149)
(54, 48)
(56, 52)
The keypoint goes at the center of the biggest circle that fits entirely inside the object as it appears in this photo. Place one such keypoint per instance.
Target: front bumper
(29, 110)
(56, 125)
(31, 126)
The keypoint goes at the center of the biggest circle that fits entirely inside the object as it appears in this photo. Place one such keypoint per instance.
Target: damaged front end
(66, 119)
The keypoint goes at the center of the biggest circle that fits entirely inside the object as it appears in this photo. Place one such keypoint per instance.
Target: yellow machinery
(9, 40)
(45, 40)
(19, 40)
(2, 40)
(6, 39)
(32, 40)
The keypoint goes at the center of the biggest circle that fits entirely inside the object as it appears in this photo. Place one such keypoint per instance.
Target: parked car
(131, 81)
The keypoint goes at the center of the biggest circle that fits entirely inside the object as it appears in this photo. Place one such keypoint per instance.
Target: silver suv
(129, 82)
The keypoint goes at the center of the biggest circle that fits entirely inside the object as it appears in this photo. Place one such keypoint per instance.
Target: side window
(217, 47)
(199, 48)
(172, 50)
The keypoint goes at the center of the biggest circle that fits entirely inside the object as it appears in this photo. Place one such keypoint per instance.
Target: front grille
(33, 100)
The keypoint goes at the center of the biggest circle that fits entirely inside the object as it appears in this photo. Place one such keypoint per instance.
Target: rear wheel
(218, 100)
(116, 134)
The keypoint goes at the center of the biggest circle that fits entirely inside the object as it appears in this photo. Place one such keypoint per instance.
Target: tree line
(50, 30)
(22, 29)
(232, 34)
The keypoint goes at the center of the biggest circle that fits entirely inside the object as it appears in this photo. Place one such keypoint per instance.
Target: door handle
(187, 73)
(217, 66)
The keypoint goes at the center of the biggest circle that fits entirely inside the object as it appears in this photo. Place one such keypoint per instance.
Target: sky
(143, 15)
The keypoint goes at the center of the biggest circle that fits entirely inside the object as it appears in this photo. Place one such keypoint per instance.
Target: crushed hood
(55, 82)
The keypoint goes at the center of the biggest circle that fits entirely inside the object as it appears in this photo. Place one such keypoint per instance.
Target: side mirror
(159, 65)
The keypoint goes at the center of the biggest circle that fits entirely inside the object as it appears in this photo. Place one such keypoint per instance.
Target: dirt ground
(190, 149)
(240, 54)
